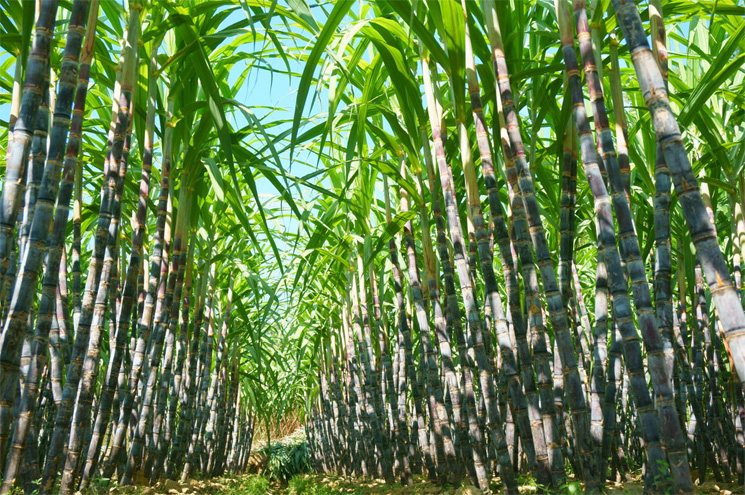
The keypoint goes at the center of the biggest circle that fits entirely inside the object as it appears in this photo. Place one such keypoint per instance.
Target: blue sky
(275, 88)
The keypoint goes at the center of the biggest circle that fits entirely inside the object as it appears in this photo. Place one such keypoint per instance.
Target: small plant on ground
(663, 479)
(253, 485)
(287, 460)
(309, 485)
(299, 485)
(99, 484)
(571, 488)
(528, 482)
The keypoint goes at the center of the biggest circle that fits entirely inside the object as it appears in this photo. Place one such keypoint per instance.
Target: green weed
(287, 460)
(253, 485)
(303, 485)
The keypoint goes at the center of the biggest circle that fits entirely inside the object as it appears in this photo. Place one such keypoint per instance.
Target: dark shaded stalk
(227, 415)
(234, 448)
(117, 132)
(364, 387)
(652, 86)
(77, 219)
(380, 364)
(146, 315)
(738, 207)
(33, 178)
(584, 328)
(106, 289)
(714, 422)
(445, 317)
(156, 356)
(601, 423)
(216, 384)
(123, 317)
(356, 426)
(613, 377)
(402, 431)
(54, 256)
(568, 201)
(364, 339)
(437, 404)
(15, 97)
(475, 340)
(56, 358)
(522, 249)
(209, 412)
(34, 170)
(30, 260)
(178, 389)
(556, 308)
(609, 252)
(24, 126)
(698, 427)
(532, 442)
(64, 322)
(441, 332)
(659, 348)
(189, 389)
(473, 443)
(205, 362)
(387, 388)
(158, 447)
(695, 430)
(93, 316)
(469, 435)
(341, 414)
(663, 297)
(620, 118)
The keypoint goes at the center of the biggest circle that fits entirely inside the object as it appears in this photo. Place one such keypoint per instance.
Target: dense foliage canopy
(491, 176)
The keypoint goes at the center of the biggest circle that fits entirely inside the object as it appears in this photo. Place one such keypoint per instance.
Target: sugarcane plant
(93, 369)
(468, 253)
(591, 230)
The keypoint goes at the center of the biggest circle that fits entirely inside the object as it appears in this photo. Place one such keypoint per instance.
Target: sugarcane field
(372, 247)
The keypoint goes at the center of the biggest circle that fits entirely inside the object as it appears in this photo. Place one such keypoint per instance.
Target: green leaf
(301, 8)
(216, 176)
(720, 71)
(338, 13)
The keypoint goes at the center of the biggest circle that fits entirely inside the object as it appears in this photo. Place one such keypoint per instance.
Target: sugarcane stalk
(370, 378)
(31, 258)
(535, 450)
(556, 308)
(205, 360)
(90, 369)
(216, 384)
(34, 169)
(447, 318)
(115, 157)
(476, 340)
(51, 296)
(146, 315)
(158, 447)
(123, 317)
(189, 389)
(652, 86)
(437, 406)
(617, 283)
(657, 340)
(168, 282)
(404, 357)
(24, 125)
(178, 393)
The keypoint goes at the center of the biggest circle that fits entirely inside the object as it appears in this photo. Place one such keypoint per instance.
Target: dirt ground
(324, 485)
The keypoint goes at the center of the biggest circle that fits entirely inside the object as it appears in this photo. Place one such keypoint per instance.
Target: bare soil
(328, 485)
